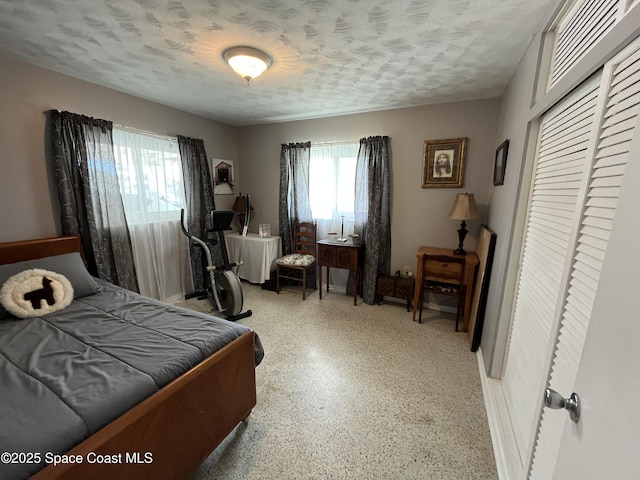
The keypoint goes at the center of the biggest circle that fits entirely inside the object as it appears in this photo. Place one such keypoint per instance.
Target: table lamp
(240, 207)
(464, 208)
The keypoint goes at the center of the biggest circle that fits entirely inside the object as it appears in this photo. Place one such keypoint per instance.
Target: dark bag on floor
(396, 286)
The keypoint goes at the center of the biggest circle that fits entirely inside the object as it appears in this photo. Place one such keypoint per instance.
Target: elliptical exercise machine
(225, 291)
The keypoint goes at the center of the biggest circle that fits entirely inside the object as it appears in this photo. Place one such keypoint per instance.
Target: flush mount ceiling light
(248, 62)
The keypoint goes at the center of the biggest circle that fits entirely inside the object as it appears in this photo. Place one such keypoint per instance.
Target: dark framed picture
(222, 176)
(443, 163)
(501, 163)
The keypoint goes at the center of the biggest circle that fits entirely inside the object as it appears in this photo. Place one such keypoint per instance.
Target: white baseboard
(508, 461)
(335, 288)
(441, 308)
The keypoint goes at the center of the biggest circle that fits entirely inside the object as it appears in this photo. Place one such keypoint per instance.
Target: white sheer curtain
(332, 175)
(150, 175)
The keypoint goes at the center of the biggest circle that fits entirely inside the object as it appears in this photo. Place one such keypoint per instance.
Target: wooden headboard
(11, 252)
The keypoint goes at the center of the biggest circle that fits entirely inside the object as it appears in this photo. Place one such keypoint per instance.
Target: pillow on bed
(36, 292)
(70, 265)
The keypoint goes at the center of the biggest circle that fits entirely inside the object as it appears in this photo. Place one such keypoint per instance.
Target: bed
(115, 385)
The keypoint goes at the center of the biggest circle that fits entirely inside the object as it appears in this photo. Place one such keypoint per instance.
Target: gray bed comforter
(67, 374)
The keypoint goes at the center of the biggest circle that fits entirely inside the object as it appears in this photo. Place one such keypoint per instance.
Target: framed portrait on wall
(500, 163)
(443, 162)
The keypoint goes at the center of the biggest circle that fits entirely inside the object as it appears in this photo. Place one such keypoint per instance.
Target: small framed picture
(222, 176)
(501, 163)
(443, 163)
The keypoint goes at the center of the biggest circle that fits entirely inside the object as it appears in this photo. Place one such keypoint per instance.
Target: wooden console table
(341, 255)
(471, 263)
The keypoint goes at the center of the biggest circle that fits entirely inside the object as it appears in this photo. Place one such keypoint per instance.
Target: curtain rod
(337, 142)
(144, 132)
(131, 129)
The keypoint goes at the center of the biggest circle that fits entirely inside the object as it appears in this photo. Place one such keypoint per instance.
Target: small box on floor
(396, 286)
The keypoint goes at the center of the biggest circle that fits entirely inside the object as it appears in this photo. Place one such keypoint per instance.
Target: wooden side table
(471, 263)
(347, 255)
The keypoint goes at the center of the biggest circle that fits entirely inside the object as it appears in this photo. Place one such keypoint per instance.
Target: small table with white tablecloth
(258, 257)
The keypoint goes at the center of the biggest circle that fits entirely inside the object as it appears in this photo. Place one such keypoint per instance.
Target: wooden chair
(302, 258)
(443, 275)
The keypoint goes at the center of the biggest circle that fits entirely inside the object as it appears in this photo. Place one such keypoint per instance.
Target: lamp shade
(240, 204)
(240, 207)
(464, 208)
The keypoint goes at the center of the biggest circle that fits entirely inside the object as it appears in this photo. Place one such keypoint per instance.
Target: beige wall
(418, 214)
(28, 202)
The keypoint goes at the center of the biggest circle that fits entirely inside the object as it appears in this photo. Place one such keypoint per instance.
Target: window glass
(150, 176)
(332, 174)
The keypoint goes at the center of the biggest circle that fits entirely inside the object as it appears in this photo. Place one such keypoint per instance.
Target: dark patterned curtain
(373, 211)
(200, 203)
(89, 194)
(294, 202)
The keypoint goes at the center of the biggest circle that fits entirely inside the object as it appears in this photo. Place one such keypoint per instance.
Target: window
(332, 176)
(332, 182)
(150, 176)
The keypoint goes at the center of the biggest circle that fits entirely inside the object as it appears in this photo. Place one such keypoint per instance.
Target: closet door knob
(553, 399)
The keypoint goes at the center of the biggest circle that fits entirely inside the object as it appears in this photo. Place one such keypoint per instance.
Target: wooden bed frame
(168, 435)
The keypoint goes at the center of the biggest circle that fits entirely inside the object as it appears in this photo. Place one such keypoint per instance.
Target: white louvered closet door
(565, 147)
(622, 108)
(581, 29)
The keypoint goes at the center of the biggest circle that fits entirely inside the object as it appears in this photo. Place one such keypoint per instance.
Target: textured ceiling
(330, 57)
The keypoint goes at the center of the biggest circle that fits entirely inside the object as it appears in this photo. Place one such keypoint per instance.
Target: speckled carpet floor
(359, 392)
